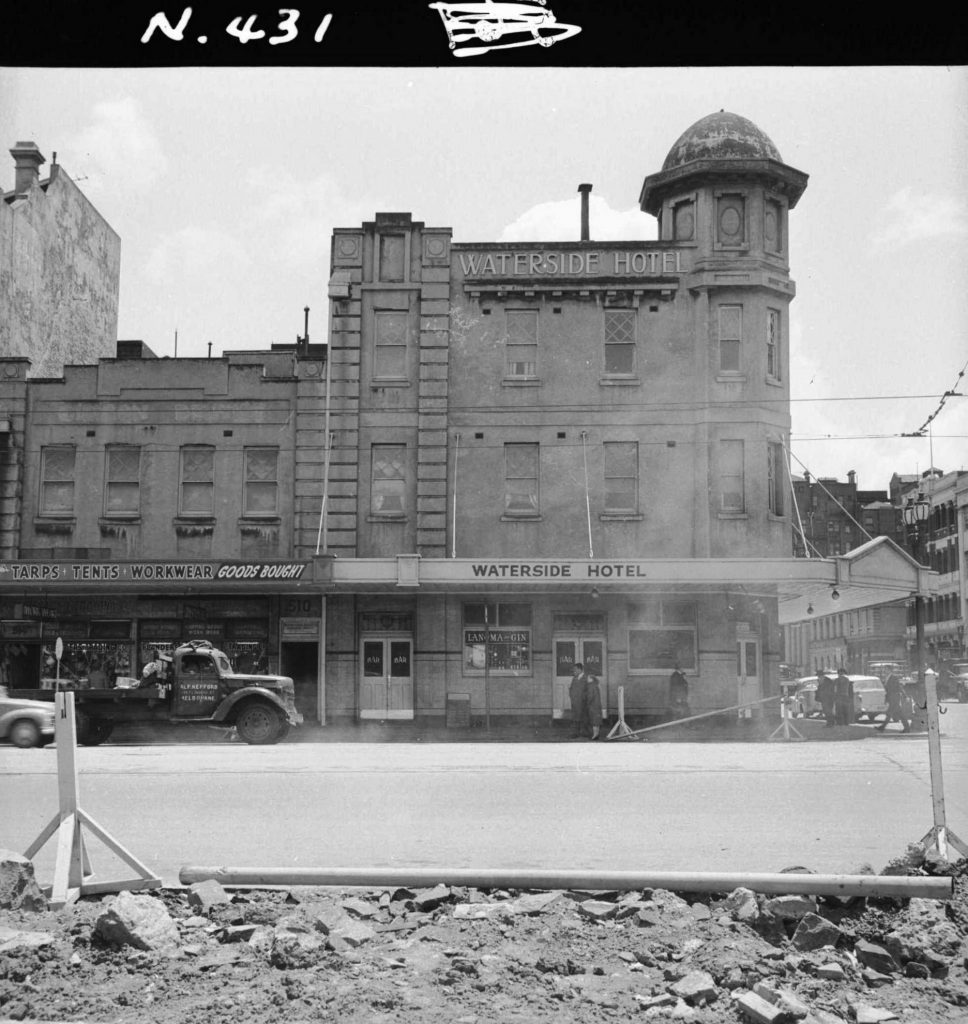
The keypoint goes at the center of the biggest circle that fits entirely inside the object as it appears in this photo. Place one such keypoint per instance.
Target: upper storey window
(620, 341)
(390, 348)
(197, 481)
(522, 344)
(122, 495)
(773, 344)
(773, 226)
(684, 221)
(261, 496)
(521, 480)
(731, 226)
(57, 481)
(730, 338)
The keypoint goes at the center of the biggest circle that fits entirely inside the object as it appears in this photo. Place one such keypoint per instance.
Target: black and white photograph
(483, 535)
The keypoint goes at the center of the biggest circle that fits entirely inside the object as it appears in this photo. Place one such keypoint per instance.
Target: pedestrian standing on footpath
(678, 694)
(843, 699)
(825, 697)
(586, 703)
(898, 704)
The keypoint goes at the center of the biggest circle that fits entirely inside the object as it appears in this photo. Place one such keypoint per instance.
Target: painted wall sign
(578, 263)
(560, 570)
(150, 572)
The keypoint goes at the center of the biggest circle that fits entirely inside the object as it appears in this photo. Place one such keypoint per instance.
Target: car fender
(42, 715)
(224, 709)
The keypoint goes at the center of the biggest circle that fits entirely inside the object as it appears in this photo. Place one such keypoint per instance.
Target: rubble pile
(468, 956)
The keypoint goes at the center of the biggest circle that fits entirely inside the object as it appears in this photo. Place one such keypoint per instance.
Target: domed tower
(722, 198)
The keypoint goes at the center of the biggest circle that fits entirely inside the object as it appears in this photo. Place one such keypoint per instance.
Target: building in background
(60, 266)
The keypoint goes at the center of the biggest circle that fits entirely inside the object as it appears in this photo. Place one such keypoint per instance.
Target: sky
(224, 185)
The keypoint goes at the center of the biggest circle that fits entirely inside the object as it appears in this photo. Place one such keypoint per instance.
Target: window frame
(774, 344)
(630, 315)
(247, 511)
(775, 478)
(57, 510)
(656, 619)
(133, 511)
(530, 316)
(727, 455)
(376, 451)
(534, 512)
(382, 345)
(722, 327)
(516, 637)
(183, 510)
(623, 510)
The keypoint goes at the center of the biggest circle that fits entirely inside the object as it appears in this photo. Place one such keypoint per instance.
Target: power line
(950, 393)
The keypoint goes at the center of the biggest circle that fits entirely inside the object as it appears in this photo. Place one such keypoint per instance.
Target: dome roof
(721, 136)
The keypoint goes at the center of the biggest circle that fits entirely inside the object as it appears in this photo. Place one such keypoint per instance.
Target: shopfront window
(498, 635)
(662, 634)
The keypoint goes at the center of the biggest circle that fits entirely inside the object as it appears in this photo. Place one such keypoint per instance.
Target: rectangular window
(776, 477)
(388, 480)
(57, 481)
(731, 482)
(122, 494)
(197, 481)
(620, 341)
(662, 634)
(730, 338)
(390, 347)
(261, 482)
(621, 476)
(773, 343)
(522, 342)
(393, 251)
(498, 635)
(521, 480)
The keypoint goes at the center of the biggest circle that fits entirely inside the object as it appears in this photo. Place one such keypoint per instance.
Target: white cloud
(910, 217)
(561, 220)
(118, 152)
(195, 252)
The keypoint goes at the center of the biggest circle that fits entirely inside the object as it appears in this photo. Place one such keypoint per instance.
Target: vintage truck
(199, 686)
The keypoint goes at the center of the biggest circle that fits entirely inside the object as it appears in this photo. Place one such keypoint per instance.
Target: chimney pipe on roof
(584, 189)
(27, 160)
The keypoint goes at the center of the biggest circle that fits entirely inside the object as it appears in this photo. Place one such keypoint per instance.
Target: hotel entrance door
(386, 686)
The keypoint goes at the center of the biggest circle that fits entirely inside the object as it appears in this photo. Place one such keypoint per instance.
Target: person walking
(843, 699)
(896, 698)
(825, 697)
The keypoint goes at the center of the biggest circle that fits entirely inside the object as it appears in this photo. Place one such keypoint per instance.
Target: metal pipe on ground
(905, 886)
(703, 714)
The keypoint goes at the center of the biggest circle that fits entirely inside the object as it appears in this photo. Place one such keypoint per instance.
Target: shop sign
(151, 572)
(16, 629)
(544, 570)
(573, 263)
(298, 629)
(495, 636)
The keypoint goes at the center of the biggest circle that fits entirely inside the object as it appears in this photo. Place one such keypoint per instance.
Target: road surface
(828, 806)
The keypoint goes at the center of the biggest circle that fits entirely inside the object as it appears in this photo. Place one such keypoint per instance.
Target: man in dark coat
(896, 700)
(678, 694)
(843, 699)
(825, 697)
(586, 703)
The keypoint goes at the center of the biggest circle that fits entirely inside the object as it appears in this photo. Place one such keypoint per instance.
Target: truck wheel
(260, 723)
(963, 694)
(25, 733)
(95, 731)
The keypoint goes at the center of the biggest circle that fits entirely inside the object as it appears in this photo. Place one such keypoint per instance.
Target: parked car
(869, 699)
(26, 723)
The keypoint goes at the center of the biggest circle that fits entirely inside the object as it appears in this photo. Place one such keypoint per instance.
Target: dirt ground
(460, 956)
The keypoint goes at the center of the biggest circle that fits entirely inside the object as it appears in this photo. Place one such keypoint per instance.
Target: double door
(569, 651)
(386, 685)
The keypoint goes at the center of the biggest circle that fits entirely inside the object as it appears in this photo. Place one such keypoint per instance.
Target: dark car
(26, 723)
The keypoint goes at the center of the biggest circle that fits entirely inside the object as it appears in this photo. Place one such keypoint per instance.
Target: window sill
(522, 382)
(506, 518)
(730, 377)
(55, 524)
(619, 380)
(621, 517)
(387, 517)
(774, 382)
(187, 526)
(733, 515)
(774, 518)
(120, 517)
(389, 382)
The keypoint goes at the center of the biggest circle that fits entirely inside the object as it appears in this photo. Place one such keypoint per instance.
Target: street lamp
(916, 512)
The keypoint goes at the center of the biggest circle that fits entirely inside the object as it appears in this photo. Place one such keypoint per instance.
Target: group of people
(836, 699)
